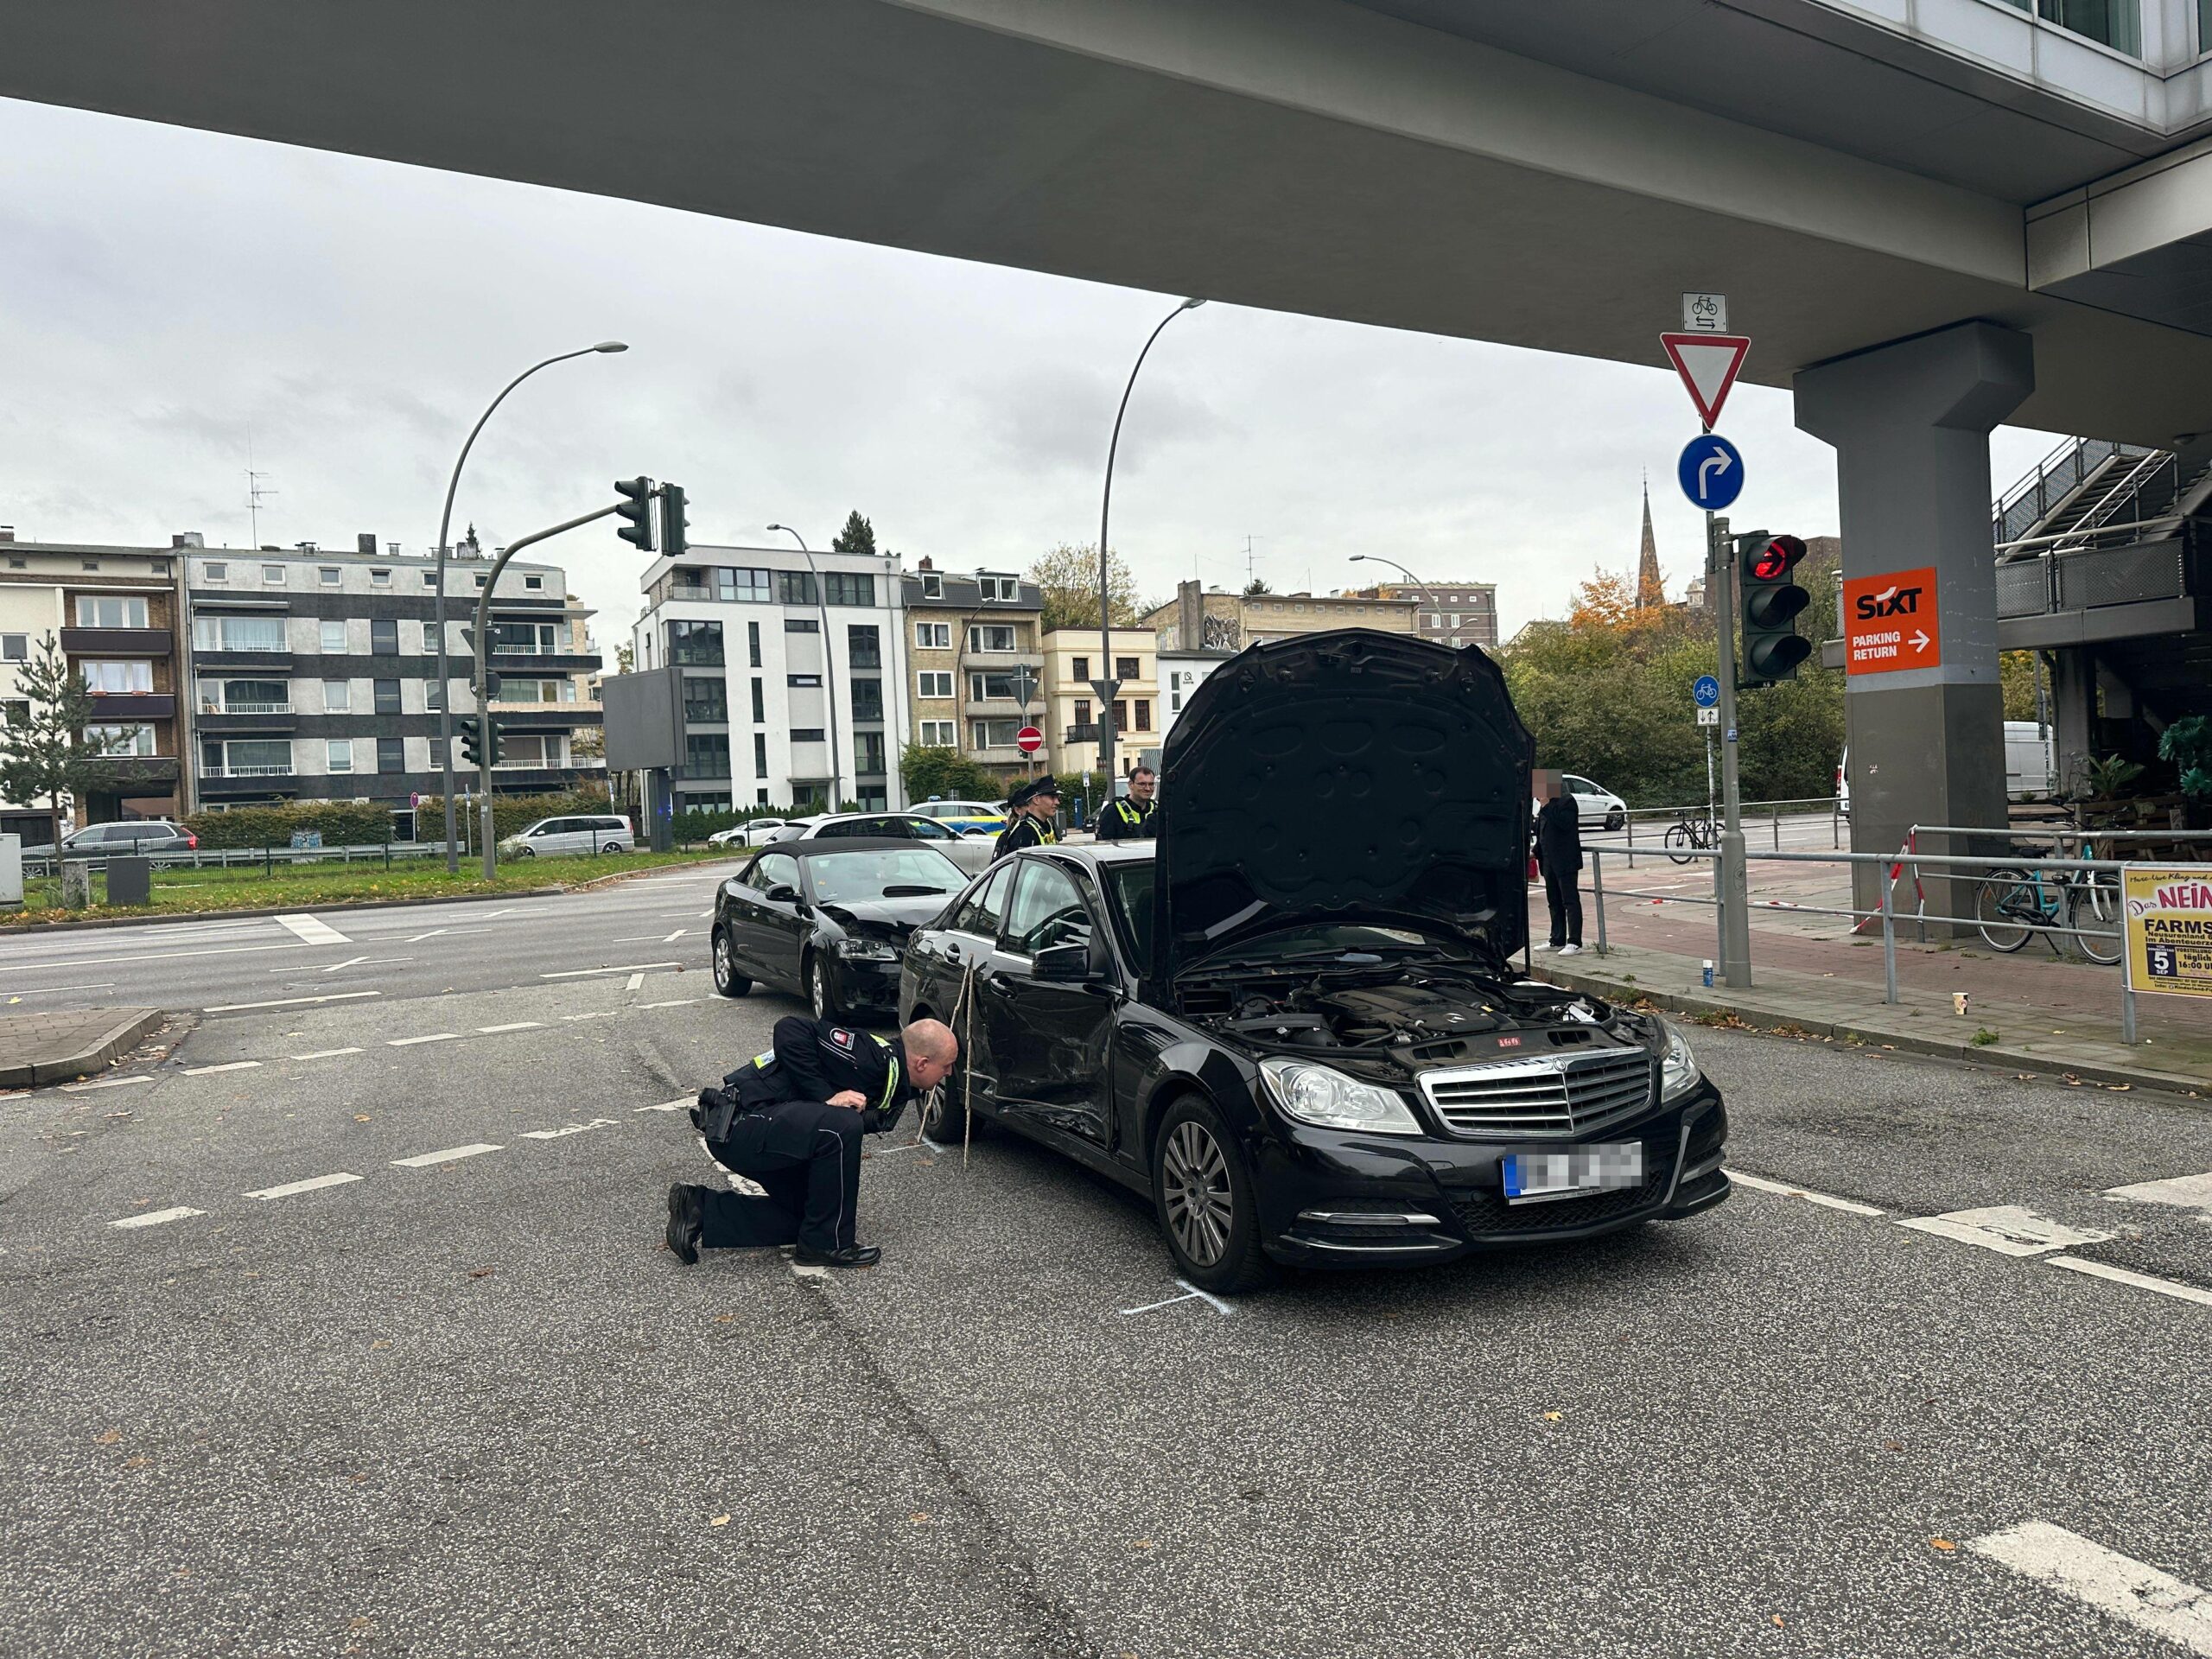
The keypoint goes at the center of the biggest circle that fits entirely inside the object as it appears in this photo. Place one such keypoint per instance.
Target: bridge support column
(1910, 422)
(2073, 714)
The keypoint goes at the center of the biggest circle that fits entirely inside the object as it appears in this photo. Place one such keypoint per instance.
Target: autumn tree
(1067, 577)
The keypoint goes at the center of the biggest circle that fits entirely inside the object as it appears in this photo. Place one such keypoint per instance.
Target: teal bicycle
(2084, 904)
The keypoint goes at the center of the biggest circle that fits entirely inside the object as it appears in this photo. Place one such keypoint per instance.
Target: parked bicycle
(1691, 831)
(2012, 904)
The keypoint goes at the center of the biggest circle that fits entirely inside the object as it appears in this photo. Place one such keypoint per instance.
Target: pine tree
(857, 536)
(47, 753)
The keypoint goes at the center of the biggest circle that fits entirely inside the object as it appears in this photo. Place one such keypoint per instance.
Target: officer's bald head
(931, 1049)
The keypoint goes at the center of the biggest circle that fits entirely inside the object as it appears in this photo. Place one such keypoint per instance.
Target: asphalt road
(392, 1362)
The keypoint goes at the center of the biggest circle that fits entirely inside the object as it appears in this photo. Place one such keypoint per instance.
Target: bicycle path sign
(2168, 913)
(1706, 693)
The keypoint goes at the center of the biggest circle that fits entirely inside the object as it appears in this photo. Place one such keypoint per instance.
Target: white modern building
(793, 671)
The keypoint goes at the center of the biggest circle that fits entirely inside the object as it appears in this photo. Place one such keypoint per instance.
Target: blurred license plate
(1531, 1177)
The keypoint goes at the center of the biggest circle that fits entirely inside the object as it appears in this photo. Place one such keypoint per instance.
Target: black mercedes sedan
(829, 920)
(1293, 1021)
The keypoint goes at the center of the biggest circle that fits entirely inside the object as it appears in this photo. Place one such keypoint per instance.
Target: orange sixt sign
(1890, 622)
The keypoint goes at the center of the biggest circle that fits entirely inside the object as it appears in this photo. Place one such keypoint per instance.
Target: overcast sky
(170, 299)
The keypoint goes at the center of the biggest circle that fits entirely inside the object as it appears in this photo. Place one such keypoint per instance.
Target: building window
(759, 702)
(1082, 711)
(760, 755)
(867, 700)
(937, 734)
(429, 578)
(272, 576)
(706, 754)
(1144, 714)
(695, 645)
(328, 574)
(535, 584)
(1125, 668)
(803, 682)
(15, 647)
(801, 624)
(339, 754)
(252, 757)
(867, 754)
(332, 637)
(110, 611)
(1007, 589)
(514, 690)
(795, 586)
(479, 578)
(17, 711)
(738, 584)
(383, 636)
(122, 740)
(214, 573)
(993, 733)
(991, 637)
(995, 683)
(752, 642)
(932, 585)
(543, 638)
(238, 634)
(386, 694)
(808, 734)
(933, 636)
(1120, 715)
(1082, 670)
(379, 578)
(534, 750)
(391, 755)
(933, 683)
(848, 587)
(108, 678)
(864, 647)
(337, 696)
(706, 702)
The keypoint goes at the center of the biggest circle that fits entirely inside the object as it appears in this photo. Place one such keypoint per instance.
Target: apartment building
(113, 612)
(314, 673)
(1072, 660)
(966, 636)
(1449, 612)
(1214, 619)
(793, 689)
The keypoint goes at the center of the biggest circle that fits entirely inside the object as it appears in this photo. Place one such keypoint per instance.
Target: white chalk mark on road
(435, 1037)
(634, 982)
(1190, 1291)
(1760, 1184)
(325, 1053)
(2006, 1229)
(2140, 1280)
(571, 1128)
(288, 1001)
(103, 1083)
(518, 1025)
(2113, 1584)
(313, 1184)
(233, 1066)
(676, 1105)
(156, 1218)
(311, 930)
(2187, 1191)
(634, 967)
(450, 1155)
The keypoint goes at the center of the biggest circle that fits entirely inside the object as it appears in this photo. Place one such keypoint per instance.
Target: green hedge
(350, 823)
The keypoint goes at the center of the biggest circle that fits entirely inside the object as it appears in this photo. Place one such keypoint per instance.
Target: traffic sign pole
(1731, 888)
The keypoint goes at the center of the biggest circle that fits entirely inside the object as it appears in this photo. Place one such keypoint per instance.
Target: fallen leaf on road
(358, 1623)
(718, 1520)
(360, 1117)
(478, 1273)
(138, 1462)
(1892, 1446)
(1553, 1416)
(1141, 1543)
(381, 1342)
(919, 1517)
(724, 1319)
(1778, 1624)
(137, 1202)
(1943, 1544)
(2118, 1088)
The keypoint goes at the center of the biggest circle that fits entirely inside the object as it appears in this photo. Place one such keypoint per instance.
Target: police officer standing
(1033, 807)
(792, 1121)
(1130, 818)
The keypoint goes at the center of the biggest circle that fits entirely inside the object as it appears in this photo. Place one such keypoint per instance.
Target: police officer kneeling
(792, 1121)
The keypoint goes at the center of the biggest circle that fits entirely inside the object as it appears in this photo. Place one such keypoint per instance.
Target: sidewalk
(37, 1049)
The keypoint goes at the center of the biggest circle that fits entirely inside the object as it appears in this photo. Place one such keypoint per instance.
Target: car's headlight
(1678, 1072)
(865, 950)
(1329, 1100)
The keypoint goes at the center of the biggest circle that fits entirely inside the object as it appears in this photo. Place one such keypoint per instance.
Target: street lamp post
(1426, 592)
(438, 601)
(1105, 685)
(829, 660)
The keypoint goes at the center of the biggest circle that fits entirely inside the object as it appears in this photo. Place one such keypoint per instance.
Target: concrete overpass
(1932, 217)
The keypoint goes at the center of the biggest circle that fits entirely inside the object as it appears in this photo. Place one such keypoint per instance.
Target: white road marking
(2006, 1229)
(416, 938)
(435, 1037)
(519, 1024)
(571, 1128)
(67, 962)
(312, 931)
(450, 1155)
(333, 967)
(634, 982)
(288, 1001)
(674, 936)
(156, 1218)
(46, 990)
(2140, 1280)
(639, 938)
(676, 1105)
(635, 968)
(102, 1082)
(510, 911)
(1760, 1184)
(706, 915)
(311, 1186)
(2188, 1191)
(357, 962)
(2104, 1579)
(1190, 1291)
(680, 1002)
(325, 1053)
(233, 1066)
(601, 1013)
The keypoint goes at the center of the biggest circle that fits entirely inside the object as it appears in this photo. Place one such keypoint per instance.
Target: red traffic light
(1778, 559)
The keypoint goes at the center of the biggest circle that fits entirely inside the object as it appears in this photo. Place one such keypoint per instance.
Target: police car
(963, 817)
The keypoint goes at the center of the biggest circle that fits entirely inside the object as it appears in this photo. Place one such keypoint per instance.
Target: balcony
(109, 706)
(284, 771)
(134, 770)
(118, 642)
(216, 706)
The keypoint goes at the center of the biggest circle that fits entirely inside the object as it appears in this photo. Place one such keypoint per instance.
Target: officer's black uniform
(1026, 831)
(772, 1121)
(1128, 819)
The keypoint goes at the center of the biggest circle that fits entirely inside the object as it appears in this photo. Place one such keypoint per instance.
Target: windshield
(883, 873)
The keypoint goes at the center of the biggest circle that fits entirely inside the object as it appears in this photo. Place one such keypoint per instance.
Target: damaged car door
(1047, 1000)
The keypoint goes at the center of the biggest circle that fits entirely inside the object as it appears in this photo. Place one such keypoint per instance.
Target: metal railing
(229, 857)
(246, 771)
(216, 706)
(2060, 472)
(1769, 814)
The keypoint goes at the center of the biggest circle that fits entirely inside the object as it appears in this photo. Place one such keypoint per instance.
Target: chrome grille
(1542, 1094)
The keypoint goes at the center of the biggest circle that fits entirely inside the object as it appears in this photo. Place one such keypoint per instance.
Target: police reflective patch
(842, 1038)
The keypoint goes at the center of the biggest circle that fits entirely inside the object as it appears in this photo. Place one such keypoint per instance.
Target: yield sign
(1708, 365)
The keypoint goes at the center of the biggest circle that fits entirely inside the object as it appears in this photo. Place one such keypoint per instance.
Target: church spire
(1650, 591)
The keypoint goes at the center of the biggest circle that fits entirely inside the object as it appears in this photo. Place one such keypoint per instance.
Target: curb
(131, 1025)
(1993, 1057)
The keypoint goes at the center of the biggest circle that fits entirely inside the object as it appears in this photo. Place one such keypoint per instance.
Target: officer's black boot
(847, 1256)
(686, 1204)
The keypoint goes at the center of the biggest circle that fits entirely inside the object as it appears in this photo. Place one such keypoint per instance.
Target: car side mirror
(1065, 965)
(781, 894)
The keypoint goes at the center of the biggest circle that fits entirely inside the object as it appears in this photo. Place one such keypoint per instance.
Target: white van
(595, 832)
(2029, 764)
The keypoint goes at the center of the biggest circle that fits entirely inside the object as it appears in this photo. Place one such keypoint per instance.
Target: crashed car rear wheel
(1203, 1192)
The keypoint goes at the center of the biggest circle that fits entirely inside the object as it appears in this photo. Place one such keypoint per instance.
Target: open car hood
(1348, 777)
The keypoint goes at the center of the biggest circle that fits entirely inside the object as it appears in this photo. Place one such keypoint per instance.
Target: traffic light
(473, 741)
(636, 511)
(673, 525)
(1768, 601)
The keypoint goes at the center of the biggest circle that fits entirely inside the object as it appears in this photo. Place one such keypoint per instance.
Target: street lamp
(1105, 615)
(438, 601)
(1426, 592)
(829, 676)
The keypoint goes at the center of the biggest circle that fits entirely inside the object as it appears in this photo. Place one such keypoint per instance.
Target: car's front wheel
(727, 980)
(1203, 1192)
(611, 846)
(816, 981)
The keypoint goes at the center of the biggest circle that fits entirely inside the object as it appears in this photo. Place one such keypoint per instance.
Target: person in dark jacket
(1558, 855)
(1130, 818)
(1033, 807)
(792, 1121)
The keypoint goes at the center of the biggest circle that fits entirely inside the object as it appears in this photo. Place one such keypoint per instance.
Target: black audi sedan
(828, 919)
(1293, 1020)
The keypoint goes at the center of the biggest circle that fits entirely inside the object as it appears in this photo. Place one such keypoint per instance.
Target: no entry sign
(1029, 739)
(1890, 622)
